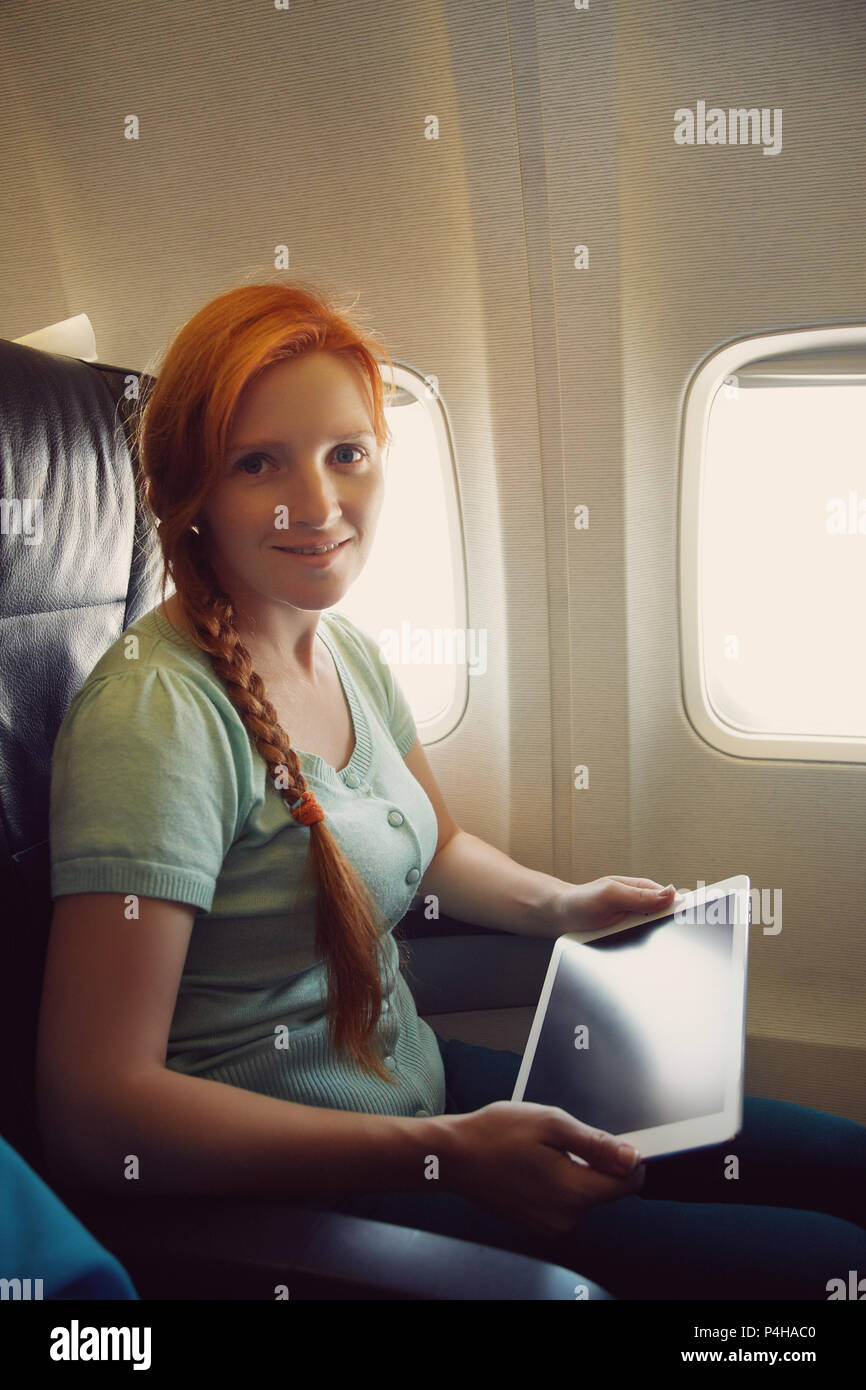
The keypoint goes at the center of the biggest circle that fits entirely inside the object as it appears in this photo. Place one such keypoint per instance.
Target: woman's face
(302, 468)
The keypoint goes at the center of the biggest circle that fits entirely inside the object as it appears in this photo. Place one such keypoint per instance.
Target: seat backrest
(79, 562)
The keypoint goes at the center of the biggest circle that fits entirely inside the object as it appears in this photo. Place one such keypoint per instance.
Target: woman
(274, 1048)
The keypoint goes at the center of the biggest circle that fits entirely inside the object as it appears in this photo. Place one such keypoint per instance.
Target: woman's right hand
(512, 1157)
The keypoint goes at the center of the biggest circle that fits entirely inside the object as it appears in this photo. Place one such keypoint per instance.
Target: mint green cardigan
(158, 790)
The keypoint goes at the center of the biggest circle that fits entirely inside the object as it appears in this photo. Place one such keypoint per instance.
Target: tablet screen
(638, 1029)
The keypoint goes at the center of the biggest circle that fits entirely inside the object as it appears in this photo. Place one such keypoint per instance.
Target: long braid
(340, 893)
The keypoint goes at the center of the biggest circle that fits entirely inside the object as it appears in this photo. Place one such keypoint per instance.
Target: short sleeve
(399, 714)
(402, 724)
(144, 789)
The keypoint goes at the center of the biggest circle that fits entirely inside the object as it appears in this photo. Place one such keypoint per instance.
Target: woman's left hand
(606, 901)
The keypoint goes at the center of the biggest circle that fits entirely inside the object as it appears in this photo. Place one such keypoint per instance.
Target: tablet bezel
(695, 1133)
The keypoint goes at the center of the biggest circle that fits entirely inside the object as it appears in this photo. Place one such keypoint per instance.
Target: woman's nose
(312, 498)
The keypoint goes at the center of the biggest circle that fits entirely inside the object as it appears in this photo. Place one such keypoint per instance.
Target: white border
(699, 397)
(703, 1129)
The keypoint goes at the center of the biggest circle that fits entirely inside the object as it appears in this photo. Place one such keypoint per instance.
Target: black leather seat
(78, 564)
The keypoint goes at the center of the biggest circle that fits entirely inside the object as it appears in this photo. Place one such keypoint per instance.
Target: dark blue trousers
(794, 1218)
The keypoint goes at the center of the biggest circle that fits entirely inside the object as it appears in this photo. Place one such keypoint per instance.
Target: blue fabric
(793, 1220)
(40, 1238)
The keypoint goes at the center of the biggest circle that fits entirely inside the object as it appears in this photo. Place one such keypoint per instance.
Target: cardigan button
(395, 818)
(353, 780)
(413, 875)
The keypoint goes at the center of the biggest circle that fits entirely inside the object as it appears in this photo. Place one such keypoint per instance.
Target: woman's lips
(317, 561)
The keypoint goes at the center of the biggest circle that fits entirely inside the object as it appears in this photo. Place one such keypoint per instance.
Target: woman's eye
(251, 458)
(357, 448)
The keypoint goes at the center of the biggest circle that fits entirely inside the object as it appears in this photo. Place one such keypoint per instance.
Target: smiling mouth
(313, 549)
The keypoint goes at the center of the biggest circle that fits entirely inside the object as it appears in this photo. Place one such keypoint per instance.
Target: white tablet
(640, 1029)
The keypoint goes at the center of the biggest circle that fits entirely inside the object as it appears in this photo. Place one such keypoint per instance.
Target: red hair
(181, 427)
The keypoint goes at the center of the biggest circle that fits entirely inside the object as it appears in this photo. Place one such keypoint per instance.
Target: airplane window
(411, 594)
(777, 559)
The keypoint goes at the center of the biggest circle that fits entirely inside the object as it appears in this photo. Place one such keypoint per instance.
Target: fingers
(637, 882)
(648, 884)
(597, 1149)
(651, 893)
(608, 1187)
